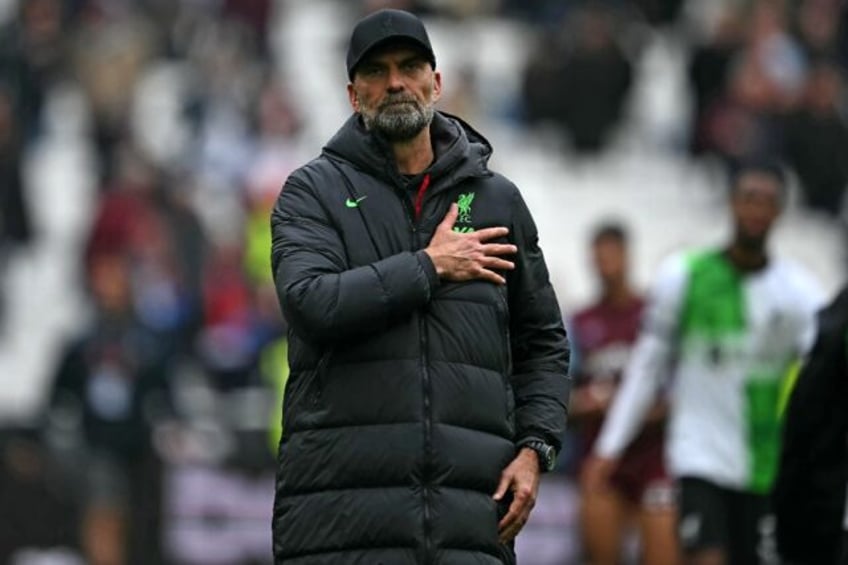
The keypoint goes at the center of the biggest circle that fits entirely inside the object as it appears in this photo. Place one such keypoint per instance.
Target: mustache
(398, 99)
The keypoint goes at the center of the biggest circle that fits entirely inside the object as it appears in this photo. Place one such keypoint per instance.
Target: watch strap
(544, 451)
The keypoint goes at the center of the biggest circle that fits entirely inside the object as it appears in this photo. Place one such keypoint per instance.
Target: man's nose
(395, 82)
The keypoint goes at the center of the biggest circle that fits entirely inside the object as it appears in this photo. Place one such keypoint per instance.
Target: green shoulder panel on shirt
(714, 304)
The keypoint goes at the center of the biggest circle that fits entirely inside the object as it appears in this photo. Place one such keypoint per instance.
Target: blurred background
(143, 142)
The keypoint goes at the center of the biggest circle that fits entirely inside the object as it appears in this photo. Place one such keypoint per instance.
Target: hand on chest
(381, 220)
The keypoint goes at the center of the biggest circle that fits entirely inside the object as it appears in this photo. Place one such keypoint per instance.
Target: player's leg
(104, 532)
(604, 517)
(705, 557)
(657, 524)
(702, 526)
(104, 535)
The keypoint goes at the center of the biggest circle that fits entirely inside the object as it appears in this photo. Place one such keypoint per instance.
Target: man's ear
(352, 97)
(437, 86)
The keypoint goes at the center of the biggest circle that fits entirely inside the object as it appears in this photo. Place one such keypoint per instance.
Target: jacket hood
(460, 151)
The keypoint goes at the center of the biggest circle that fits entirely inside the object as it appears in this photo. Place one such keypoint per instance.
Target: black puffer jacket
(809, 493)
(407, 395)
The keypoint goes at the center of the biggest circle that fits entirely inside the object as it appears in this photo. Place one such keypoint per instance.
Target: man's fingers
(499, 249)
(491, 276)
(489, 233)
(450, 218)
(516, 517)
(509, 534)
(511, 516)
(524, 482)
(502, 487)
(497, 263)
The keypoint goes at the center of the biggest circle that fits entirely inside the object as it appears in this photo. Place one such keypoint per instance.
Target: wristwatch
(545, 452)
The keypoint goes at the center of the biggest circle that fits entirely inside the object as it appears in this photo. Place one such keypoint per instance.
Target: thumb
(506, 479)
(450, 218)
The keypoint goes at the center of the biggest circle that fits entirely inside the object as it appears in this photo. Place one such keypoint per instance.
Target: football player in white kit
(724, 324)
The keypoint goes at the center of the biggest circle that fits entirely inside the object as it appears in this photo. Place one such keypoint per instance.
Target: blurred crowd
(766, 79)
(171, 386)
(175, 268)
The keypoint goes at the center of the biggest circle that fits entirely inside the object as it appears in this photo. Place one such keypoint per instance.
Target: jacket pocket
(506, 347)
(303, 395)
(317, 385)
(506, 340)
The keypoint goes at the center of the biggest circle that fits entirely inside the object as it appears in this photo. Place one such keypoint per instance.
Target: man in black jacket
(809, 495)
(428, 358)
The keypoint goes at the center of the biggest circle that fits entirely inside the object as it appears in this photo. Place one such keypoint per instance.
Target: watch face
(546, 453)
(549, 457)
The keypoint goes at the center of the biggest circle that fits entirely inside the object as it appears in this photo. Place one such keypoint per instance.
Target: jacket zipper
(412, 215)
(419, 197)
(422, 328)
(425, 372)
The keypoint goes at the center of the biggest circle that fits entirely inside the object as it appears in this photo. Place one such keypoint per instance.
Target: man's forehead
(757, 179)
(758, 183)
(394, 50)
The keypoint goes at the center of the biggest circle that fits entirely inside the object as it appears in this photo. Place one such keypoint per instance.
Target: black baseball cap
(382, 27)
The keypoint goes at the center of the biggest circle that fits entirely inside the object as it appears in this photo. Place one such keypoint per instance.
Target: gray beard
(399, 122)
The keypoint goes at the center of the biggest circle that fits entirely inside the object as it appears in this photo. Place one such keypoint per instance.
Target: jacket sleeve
(322, 298)
(540, 348)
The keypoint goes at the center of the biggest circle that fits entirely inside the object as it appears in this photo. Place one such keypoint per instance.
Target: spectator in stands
(709, 69)
(33, 58)
(142, 217)
(639, 493)
(109, 62)
(765, 80)
(229, 340)
(817, 140)
(112, 381)
(15, 225)
(30, 56)
(817, 26)
(38, 503)
(581, 84)
(660, 12)
(256, 15)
